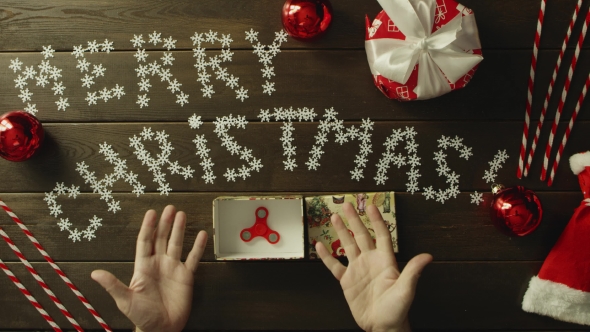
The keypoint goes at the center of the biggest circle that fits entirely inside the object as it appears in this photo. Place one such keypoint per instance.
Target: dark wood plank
(69, 144)
(457, 231)
(479, 276)
(502, 23)
(315, 79)
(230, 296)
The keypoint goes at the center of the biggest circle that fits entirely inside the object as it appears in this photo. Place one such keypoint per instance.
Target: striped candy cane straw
(55, 267)
(568, 131)
(30, 297)
(40, 281)
(527, 116)
(527, 165)
(563, 97)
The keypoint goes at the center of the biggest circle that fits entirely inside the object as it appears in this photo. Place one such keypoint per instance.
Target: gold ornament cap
(496, 188)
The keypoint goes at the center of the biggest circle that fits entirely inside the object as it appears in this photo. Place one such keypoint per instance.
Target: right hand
(379, 296)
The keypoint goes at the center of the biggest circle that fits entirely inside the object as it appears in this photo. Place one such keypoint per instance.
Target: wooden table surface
(479, 276)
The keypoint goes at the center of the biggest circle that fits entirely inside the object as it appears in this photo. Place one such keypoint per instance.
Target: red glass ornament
(515, 211)
(21, 135)
(306, 19)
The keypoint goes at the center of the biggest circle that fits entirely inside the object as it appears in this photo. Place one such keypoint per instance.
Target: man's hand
(159, 296)
(377, 294)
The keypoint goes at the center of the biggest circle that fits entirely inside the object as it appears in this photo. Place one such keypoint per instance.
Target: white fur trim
(579, 161)
(548, 298)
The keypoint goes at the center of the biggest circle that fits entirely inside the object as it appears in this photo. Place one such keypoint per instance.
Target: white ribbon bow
(440, 54)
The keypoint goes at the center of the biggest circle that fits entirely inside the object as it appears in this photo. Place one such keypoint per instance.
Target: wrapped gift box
(231, 215)
(319, 209)
(421, 49)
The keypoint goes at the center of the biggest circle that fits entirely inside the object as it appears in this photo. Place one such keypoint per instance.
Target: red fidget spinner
(260, 228)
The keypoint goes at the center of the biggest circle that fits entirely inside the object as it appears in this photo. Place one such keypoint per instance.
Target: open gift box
(273, 227)
(284, 226)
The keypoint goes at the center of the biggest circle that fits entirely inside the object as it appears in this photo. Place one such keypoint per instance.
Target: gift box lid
(319, 209)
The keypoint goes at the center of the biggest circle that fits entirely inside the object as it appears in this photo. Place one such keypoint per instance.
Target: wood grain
(315, 79)
(456, 231)
(231, 296)
(479, 276)
(502, 23)
(69, 144)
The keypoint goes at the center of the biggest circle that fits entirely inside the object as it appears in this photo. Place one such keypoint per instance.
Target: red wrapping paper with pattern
(449, 57)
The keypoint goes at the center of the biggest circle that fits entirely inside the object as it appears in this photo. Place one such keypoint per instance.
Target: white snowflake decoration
(94, 71)
(156, 68)
(202, 151)
(42, 79)
(365, 149)
(137, 41)
(163, 159)
(252, 36)
(343, 135)
(103, 187)
(155, 38)
(443, 170)
(15, 65)
(31, 108)
(222, 126)
(202, 63)
(266, 54)
(325, 126)
(476, 198)
(495, 165)
(47, 52)
(269, 88)
(288, 115)
(411, 158)
(62, 104)
(64, 224)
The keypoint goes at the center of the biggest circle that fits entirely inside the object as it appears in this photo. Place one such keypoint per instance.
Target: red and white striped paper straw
(55, 267)
(568, 131)
(564, 92)
(30, 297)
(527, 117)
(40, 281)
(527, 164)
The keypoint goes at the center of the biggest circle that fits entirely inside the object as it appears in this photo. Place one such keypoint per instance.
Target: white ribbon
(440, 54)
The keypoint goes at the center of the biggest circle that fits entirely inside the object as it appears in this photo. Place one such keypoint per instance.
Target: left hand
(160, 294)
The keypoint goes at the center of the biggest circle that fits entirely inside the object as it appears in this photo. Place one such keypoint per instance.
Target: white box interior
(285, 216)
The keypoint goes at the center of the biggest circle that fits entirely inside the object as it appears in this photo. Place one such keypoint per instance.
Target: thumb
(120, 293)
(409, 276)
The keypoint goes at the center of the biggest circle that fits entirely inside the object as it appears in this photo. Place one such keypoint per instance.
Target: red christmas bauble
(21, 135)
(304, 19)
(516, 211)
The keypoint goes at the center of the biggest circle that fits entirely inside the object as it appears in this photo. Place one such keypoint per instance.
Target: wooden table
(479, 275)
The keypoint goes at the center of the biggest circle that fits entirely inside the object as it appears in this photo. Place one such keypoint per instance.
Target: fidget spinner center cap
(260, 228)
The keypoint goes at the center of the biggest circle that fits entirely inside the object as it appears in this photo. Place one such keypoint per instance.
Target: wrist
(404, 328)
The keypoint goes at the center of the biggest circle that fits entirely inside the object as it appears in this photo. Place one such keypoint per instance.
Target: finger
(120, 293)
(409, 276)
(331, 263)
(163, 229)
(193, 258)
(361, 234)
(177, 236)
(350, 248)
(145, 239)
(382, 234)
